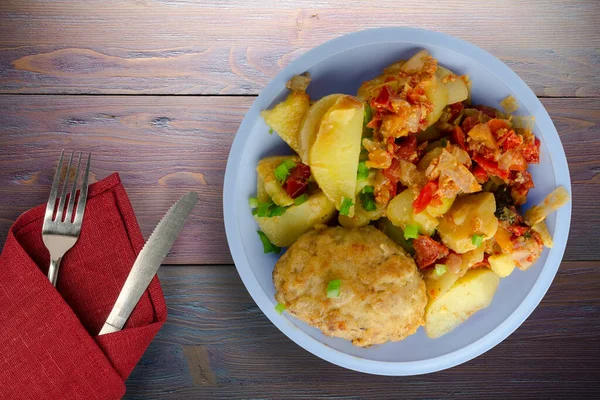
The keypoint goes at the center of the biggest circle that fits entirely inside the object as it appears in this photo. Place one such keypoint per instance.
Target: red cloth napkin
(49, 348)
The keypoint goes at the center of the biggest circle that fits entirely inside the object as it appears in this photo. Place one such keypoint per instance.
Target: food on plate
(333, 157)
(469, 294)
(286, 117)
(412, 157)
(356, 284)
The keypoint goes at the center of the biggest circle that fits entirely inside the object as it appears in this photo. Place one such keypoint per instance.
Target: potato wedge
(286, 117)
(311, 122)
(438, 285)
(283, 230)
(400, 213)
(542, 229)
(469, 294)
(266, 175)
(333, 157)
(555, 200)
(469, 215)
(502, 264)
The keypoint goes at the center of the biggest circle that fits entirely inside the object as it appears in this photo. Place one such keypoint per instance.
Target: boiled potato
(283, 230)
(438, 285)
(311, 122)
(266, 175)
(437, 94)
(400, 212)
(333, 158)
(415, 64)
(542, 229)
(361, 216)
(456, 88)
(438, 211)
(426, 160)
(261, 192)
(502, 264)
(286, 117)
(469, 294)
(555, 200)
(470, 215)
(471, 258)
(395, 233)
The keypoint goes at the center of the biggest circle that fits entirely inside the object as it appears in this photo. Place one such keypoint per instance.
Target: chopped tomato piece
(496, 124)
(428, 251)
(531, 152)
(455, 110)
(383, 101)
(393, 171)
(517, 230)
(490, 167)
(469, 123)
(296, 183)
(407, 149)
(424, 197)
(458, 137)
(511, 140)
(480, 174)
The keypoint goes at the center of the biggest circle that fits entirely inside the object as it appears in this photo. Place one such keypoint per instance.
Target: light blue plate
(340, 66)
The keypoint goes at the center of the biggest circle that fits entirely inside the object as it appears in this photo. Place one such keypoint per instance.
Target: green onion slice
(345, 206)
(283, 170)
(367, 198)
(280, 308)
(440, 269)
(477, 240)
(268, 247)
(301, 199)
(411, 232)
(333, 288)
(253, 202)
(363, 171)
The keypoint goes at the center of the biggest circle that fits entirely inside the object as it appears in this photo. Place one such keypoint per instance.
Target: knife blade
(148, 261)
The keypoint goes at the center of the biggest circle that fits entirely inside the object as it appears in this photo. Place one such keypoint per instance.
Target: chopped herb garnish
(280, 308)
(440, 269)
(345, 206)
(270, 131)
(477, 240)
(368, 116)
(253, 202)
(333, 288)
(276, 211)
(444, 142)
(301, 199)
(367, 198)
(411, 232)
(363, 171)
(268, 247)
(527, 235)
(283, 170)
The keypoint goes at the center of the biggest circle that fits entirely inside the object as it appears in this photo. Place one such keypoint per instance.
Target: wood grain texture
(554, 354)
(165, 146)
(237, 46)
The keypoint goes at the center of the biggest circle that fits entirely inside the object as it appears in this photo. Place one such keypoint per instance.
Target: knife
(147, 262)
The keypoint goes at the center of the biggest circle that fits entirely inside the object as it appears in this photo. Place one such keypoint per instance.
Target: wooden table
(156, 89)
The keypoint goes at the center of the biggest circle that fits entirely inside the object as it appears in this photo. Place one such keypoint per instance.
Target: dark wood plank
(218, 344)
(233, 47)
(165, 146)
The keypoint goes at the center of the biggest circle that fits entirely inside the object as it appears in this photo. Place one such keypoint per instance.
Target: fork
(61, 232)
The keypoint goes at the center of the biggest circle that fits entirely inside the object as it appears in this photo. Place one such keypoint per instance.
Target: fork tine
(61, 204)
(54, 189)
(83, 194)
(69, 215)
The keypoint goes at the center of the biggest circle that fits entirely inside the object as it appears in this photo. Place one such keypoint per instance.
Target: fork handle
(53, 270)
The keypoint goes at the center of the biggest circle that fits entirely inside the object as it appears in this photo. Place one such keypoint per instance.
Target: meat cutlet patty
(382, 296)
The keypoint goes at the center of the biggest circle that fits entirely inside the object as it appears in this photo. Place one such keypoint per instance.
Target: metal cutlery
(60, 232)
(148, 261)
